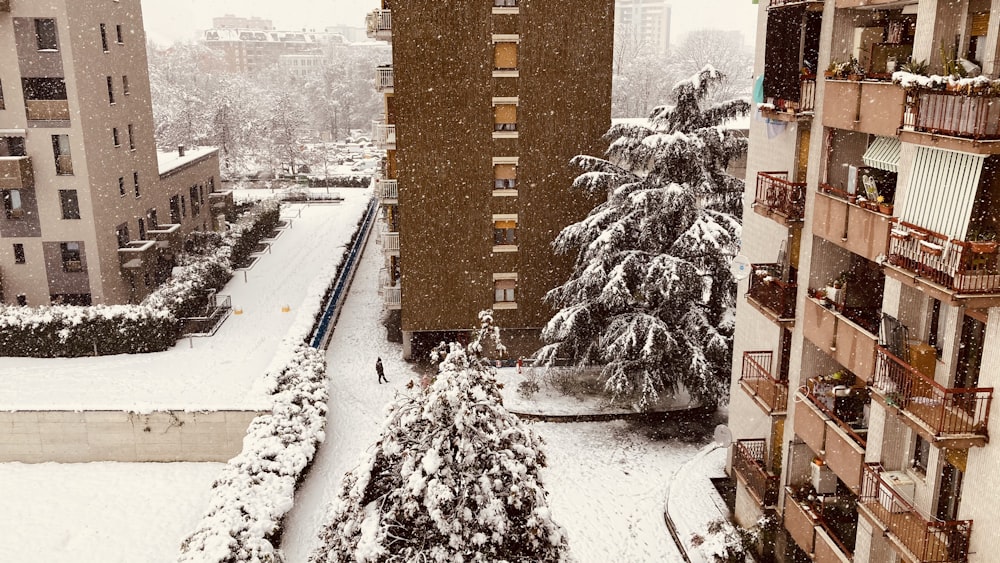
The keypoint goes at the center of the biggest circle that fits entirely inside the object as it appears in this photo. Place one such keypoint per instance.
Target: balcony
(949, 269)
(387, 191)
(770, 295)
(914, 536)
(949, 417)
(857, 229)
(384, 135)
(935, 115)
(793, 110)
(47, 110)
(769, 393)
(64, 165)
(390, 243)
(862, 3)
(169, 239)
(844, 340)
(829, 418)
(816, 526)
(748, 464)
(138, 254)
(865, 106)
(780, 199)
(16, 173)
(384, 78)
(378, 24)
(221, 202)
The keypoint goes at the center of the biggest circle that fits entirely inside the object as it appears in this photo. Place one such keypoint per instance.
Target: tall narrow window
(175, 209)
(120, 39)
(13, 207)
(504, 290)
(921, 455)
(72, 258)
(45, 34)
(19, 256)
(142, 228)
(504, 232)
(131, 138)
(151, 216)
(184, 208)
(111, 90)
(114, 137)
(1, 96)
(125, 89)
(104, 37)
(121, 234)
(135, 183)
(64, 160)
(121, 186)
(195, 202)
(70, 204)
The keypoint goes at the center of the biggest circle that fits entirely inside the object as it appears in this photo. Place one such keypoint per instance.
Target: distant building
(250, 50)
(352, 34)
(90, 213)
(644, 21)
(230, 21)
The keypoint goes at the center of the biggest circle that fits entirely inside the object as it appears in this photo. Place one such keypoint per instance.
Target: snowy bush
(454, 477)
(256, 488)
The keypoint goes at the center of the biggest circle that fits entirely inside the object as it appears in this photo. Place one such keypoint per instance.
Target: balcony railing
(47, 110)
(923, 539)
(777, 195)
(748, 463)
(864, 106)
(384, 135)
(790, 110)
(16, 173)
(379, 24)
(860, 230)
(972, 116)
(961, 266)
(387, 190)
(392, 297)
(756, 379)
(945, 412)
(390, 243)
(169, 238)
(769, 291)
(138, 254)
(221, 202)
(841, 338)
(383, 78)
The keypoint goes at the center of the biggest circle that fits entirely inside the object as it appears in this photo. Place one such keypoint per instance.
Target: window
(184, 209)
(70, 204)
(505, 55)
(151, 217)
(104, 37)
(19, 257)
(936, 328)
(13, 208)
(505, 117)
(114, 137)
(12, 146)
(22, 300)
(503, 290)
(195, 201)
(504, 232)
(121, 234)
(175, 209)
(111, 90)
(61, 151)
(121, 186)
(45, 34)
(142, 229)
(44, 88)
(119, 38)
(125, 88)
(1, 96)
(504, 3)
(504, 176)
(921, 455)
(131, 138)
(135, 183)
(71, 256)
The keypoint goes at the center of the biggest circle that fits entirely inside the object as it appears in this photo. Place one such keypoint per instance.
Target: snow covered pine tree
(454, 477)
(651, 297)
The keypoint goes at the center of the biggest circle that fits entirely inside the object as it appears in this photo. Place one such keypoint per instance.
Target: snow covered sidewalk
(213, 373)
(693, 502)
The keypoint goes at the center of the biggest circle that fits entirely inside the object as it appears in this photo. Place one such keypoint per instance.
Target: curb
(679, 414)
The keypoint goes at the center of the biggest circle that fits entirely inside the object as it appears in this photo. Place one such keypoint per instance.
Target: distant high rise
(647, 21)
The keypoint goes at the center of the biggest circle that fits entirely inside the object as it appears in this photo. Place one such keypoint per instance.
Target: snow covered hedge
(152, 326)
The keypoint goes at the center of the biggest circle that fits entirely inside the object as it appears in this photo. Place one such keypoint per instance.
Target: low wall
(84, 436)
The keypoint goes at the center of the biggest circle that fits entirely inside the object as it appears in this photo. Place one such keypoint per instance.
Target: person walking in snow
(380, 371)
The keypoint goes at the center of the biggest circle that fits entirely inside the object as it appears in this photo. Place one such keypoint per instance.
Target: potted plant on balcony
(982, 241)
(884, 206)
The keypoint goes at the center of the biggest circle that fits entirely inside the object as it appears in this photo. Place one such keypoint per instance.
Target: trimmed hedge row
(67, 331)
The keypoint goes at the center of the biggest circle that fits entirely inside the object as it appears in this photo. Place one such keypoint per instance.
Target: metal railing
(390, 242)
(383, 78)
(928, 540)
(946, 411)
(778, 194)
(823, 408)
(959, 265)
(958, 114)
(384, 135)
(756, 377)
(807, 97)
(748, 462)
(768, 289)
(387, 189)
(378, 22)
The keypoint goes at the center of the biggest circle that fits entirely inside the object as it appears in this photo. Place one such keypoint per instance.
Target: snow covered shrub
(651, 297)
(724, 542)
(454, 477)
(256, 488)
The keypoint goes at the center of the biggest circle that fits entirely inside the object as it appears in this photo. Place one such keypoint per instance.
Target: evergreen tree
(651, 296)
(454, 477)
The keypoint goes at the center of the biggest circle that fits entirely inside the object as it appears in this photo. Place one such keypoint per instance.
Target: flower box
(983, 246)
(931, 248)
(900, 234)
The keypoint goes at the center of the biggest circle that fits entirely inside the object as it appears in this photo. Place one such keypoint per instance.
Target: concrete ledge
(85, 436)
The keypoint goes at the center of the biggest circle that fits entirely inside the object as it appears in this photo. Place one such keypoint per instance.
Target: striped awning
(12, 132)
(883, 154)
(942, 190)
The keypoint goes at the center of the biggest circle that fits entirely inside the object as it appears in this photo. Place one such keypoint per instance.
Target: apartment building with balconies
(485, 104)
(862, 382)
(86, 200)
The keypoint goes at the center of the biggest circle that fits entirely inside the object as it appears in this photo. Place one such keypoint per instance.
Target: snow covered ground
(201, 373)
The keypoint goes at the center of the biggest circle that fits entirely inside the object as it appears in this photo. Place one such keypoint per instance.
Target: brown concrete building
(86, 213)
(486, 103)
(862, 375)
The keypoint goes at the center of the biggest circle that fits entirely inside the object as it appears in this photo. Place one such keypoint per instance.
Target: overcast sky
(167, 21)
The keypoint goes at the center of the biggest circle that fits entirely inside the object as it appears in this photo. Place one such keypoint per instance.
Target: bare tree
(724, 50)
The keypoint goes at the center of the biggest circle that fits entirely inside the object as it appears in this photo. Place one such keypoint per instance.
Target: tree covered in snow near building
(651, 296)
(454, 477)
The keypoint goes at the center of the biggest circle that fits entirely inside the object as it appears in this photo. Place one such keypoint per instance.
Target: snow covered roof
(271, 36)
(739, 124)
(170, 161)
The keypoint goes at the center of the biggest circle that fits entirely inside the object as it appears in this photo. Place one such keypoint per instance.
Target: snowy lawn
(202, 373)
(100, 512)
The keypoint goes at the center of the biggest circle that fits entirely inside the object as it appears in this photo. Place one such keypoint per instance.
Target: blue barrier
(346, 273)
